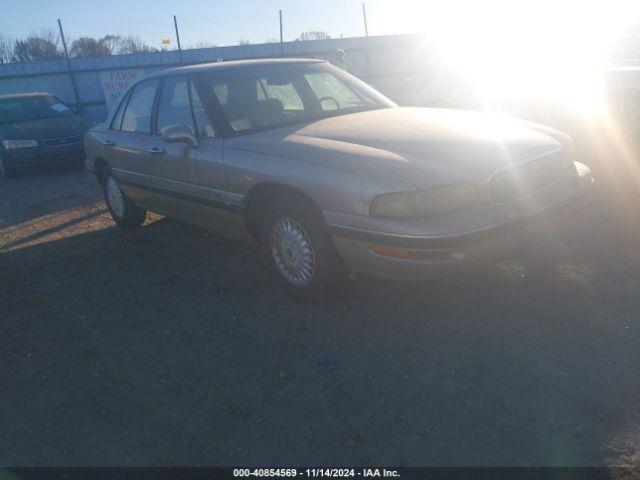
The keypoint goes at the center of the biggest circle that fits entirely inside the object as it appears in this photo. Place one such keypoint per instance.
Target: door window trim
(214, 123)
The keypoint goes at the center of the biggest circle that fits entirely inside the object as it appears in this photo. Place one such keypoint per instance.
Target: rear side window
(117, 118)
(137, 115)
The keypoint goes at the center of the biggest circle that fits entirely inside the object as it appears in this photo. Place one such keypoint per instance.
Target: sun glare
(547, 49)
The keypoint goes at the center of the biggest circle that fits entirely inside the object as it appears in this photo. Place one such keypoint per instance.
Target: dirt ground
(170, 345)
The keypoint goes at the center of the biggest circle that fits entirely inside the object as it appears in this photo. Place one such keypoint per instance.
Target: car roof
(26, 95)
(215, 66)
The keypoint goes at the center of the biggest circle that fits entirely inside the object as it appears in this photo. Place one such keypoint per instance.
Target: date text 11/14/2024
(316, 472)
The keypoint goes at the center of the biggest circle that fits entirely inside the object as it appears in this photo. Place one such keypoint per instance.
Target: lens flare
(543, 49)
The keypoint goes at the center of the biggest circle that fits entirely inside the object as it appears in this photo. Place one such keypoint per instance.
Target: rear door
(189, 182)
(127, 147)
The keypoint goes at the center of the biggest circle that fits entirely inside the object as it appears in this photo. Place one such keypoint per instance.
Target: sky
(221, 22)
(226, 22)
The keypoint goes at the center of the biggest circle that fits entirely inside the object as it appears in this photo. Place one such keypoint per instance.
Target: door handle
(108, 143)
(155, 150)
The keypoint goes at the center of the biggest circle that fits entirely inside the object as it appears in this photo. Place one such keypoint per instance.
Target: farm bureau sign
(116, 82)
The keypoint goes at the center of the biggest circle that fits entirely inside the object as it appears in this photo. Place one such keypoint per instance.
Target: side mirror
(79, 111)
(180, 133)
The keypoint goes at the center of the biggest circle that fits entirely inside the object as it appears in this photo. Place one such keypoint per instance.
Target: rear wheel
(299, 250)
(7, 170)
(123, 211)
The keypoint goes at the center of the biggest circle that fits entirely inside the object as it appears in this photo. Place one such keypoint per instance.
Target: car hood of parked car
(427, 146)
(44, 128)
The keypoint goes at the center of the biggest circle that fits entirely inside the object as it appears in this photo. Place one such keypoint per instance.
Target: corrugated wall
(382, 61)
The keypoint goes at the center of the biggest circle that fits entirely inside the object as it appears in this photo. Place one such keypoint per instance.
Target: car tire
(123, 211)
(298, 250)
(7, 170)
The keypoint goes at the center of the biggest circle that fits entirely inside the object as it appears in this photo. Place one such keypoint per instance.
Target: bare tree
(7, 47)
(36, 47)
(133, 44)
(111, 43)
(88, 47)
(313, 35)
(244, 41)
(204, 44)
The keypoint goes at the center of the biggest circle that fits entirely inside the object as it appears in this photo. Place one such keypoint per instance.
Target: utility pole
(364, 17)
(66, 54)
(175, 24)
(366, 34)
(281, 36)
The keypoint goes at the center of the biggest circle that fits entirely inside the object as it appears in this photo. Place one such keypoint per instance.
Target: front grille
(525, 179)
(60, 141)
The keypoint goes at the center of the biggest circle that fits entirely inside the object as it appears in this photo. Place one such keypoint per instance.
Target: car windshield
(22, 109)
(266, 97)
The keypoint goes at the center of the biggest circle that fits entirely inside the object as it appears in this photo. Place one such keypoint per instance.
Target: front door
(188, 182)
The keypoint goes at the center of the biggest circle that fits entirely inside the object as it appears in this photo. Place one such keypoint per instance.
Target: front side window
(137, 116)
(174, 107)
(180, 104)
(272, 96)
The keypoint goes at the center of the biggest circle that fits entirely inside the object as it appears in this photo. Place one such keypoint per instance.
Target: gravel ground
(170, 345)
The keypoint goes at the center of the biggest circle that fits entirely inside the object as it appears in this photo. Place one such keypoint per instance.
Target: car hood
(425, 145)
(44, 128)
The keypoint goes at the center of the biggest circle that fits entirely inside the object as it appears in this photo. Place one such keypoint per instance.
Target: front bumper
(443, 254)
(37, 156)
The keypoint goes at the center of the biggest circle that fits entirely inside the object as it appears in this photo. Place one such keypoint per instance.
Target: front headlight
(13, 144)
(424, 203)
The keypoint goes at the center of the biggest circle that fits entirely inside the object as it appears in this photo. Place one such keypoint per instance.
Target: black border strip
(268, 472)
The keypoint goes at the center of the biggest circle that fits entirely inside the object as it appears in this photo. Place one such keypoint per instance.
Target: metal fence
(381, 61)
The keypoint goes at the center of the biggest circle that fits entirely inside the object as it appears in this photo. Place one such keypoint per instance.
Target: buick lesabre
(324, 173)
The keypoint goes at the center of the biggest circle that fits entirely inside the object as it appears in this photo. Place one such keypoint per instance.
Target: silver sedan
(324, 173)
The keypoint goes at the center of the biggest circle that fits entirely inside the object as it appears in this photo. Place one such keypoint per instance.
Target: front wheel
(123, 211)
(299, 250)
